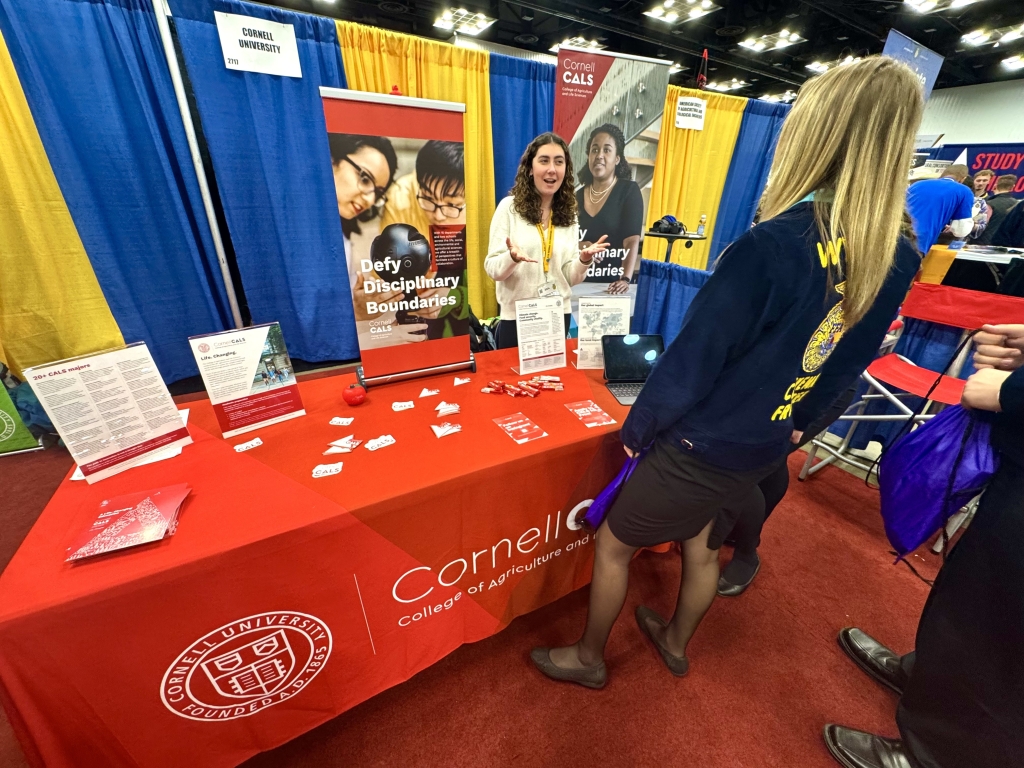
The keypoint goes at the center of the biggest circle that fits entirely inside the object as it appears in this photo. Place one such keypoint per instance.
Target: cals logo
(204, 347)
(246, 666)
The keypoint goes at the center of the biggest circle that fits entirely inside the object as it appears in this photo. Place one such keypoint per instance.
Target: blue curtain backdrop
(664, 293)
(748, 172)
(522, 106)
(268, 144)
(97, 81)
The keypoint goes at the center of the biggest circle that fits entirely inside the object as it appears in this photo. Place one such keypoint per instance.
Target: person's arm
(963, 215)
(1011, 396)
(859, 344)
(575, 268)
(499, 263)
(743, 295)
(633, 215)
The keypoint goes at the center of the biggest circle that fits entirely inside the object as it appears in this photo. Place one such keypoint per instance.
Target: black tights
(747, 532)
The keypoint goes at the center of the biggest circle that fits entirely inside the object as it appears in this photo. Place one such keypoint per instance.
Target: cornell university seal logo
(246, 666)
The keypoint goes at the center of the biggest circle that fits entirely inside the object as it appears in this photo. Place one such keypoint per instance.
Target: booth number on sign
(257, 45)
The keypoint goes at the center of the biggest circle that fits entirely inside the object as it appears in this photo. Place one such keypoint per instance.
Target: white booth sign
(690, 113)
(257, 45)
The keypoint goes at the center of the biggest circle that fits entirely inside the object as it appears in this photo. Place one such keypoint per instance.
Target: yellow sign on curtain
(690, 171)
(376, 60)
(51, 305)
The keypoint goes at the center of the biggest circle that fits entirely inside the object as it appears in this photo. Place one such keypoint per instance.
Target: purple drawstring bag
(599, 509)
(930, 473)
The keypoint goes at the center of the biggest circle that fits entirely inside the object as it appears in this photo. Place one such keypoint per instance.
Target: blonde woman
(534, 247)
(715, 415)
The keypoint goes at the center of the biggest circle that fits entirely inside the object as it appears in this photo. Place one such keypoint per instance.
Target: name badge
(548, 289)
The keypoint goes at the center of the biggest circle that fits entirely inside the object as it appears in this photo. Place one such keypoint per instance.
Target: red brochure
(590, 413)
(130, 520)
(520, 428)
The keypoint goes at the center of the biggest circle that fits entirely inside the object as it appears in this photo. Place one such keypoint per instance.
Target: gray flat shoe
(677, 665)
(590, 677)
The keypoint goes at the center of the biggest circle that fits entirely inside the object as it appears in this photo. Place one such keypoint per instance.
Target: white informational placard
(540, 324)
(690, 113)
(248, 376)
(600, 316)
(112, 409)
(257, 45)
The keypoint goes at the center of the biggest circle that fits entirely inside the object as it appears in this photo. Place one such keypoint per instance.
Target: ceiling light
(782, 39)
(676, 68)
(463, 21)
(817, 67)
(786, 97)
(698, 8)
(726, 85)
(577, 42)
(1014, 62)
(995, 37)
(934, 6)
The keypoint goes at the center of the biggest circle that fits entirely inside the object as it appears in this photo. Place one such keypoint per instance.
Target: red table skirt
(285, 599)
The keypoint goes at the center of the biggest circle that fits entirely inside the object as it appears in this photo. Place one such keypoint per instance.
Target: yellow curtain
(375, 60)
(51, 306)
(690, 171)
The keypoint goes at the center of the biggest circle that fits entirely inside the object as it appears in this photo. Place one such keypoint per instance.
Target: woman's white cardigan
(521, 281)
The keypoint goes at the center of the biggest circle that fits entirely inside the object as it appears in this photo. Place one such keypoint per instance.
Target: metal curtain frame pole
(162, 11)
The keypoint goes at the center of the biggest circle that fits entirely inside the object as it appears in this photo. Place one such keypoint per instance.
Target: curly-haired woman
(611, 204)
(534, 248)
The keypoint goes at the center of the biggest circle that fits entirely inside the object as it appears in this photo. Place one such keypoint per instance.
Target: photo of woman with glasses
(610, 203)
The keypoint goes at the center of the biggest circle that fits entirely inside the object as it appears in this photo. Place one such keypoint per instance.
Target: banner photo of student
(608, 107)
(399, 174)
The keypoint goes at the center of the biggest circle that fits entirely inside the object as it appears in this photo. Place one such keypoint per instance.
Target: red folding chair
(893, 378)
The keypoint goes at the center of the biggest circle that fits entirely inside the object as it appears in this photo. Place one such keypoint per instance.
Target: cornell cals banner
(608, 107)
(400, 181)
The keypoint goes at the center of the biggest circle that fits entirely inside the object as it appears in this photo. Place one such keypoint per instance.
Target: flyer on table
(600, 316)
(541, 327)
(249, 377)
(399, 176)
(112, 409)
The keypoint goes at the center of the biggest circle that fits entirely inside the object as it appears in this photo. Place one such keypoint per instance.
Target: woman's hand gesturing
(516, 254)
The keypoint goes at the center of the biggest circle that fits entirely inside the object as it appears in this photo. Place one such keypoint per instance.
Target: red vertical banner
(608, 108)
(399, 177)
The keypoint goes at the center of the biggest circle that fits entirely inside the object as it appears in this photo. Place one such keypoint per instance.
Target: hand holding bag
(930, 473)
(603, 503)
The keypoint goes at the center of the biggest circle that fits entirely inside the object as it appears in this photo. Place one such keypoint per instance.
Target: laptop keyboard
(626, 390)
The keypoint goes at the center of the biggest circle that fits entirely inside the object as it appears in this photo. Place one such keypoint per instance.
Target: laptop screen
(630, 358)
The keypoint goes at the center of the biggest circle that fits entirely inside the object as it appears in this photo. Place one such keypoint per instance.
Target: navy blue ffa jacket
(1008, 430)
(754, 342)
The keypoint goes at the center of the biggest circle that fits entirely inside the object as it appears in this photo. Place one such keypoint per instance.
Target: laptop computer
(628, 361)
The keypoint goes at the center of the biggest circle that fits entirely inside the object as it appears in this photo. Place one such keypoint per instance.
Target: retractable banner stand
(624, 96)
(400, 182)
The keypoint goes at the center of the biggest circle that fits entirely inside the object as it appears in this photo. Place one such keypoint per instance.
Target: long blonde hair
(850, 138)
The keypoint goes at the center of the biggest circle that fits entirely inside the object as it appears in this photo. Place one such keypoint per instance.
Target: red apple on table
(354, 394)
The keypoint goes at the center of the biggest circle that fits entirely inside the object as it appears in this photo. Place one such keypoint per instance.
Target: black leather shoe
(856, 749)
(727, 588)
(873, 657)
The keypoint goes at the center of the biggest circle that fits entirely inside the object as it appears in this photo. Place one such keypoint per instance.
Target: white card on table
(326, 470)
(248, 445)
(339, 421)
(403, 406)
(379, 442)
(429, 392)
(459, 381)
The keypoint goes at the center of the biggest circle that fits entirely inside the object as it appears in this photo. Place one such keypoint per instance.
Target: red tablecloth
(284, 600)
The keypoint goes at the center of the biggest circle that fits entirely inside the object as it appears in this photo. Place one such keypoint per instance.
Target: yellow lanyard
(547, 242)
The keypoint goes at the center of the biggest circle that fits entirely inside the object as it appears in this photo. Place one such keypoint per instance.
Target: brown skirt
(672, 495)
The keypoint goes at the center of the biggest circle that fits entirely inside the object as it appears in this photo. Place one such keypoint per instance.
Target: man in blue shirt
(935, 203)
